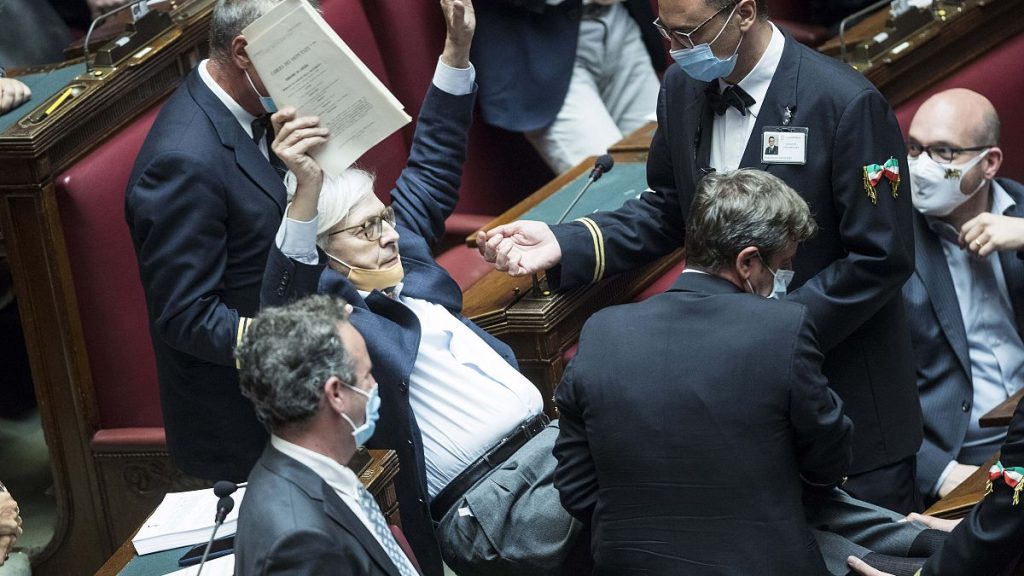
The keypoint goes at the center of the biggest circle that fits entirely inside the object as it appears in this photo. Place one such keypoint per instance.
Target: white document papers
(303, 63)
(184, 519)
(223, 566)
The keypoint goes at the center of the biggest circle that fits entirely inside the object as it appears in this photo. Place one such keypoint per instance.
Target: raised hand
(520, 248)
(461, 22)
(294, 139)
(987, 233)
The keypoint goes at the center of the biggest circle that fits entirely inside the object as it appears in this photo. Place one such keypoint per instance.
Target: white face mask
(935, 188)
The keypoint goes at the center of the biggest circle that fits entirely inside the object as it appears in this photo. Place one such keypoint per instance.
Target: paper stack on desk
(184, 519)
(303, 63)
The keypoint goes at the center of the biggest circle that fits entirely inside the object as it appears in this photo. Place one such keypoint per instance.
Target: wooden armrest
(1001, 415)
(959, 502)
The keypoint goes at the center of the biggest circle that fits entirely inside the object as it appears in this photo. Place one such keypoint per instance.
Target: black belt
(594, 11)
(494, 457)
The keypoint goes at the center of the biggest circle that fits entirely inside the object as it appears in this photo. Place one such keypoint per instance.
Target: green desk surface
(626, 181)
(155, 564)
(42, 86)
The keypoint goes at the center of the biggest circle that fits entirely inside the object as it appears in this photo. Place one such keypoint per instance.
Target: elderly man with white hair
(468, 428)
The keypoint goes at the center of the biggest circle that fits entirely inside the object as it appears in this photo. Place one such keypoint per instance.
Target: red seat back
(1002, 89)
(501, 167)
(111, 303)
(349, 20)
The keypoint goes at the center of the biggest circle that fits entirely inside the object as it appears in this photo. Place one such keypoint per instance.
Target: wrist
(455, 55)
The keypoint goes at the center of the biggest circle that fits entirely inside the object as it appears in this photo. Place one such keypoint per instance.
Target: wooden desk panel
(1002, 414)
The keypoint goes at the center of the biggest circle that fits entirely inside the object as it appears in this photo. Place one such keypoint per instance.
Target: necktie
(732, 96)
(383, 533)
(262, 129)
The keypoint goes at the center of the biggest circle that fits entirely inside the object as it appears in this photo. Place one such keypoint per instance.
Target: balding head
(959, 118)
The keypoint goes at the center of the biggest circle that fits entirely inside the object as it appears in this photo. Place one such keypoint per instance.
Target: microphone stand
(603, 164)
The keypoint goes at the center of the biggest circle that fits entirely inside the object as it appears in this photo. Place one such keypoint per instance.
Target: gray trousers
(613, 90)
(845, 526)
(511, 522)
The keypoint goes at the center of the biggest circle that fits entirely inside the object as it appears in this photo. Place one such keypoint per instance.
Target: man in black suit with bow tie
(737, 77)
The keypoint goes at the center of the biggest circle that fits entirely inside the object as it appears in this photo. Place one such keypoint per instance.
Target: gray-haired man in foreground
(307, 372)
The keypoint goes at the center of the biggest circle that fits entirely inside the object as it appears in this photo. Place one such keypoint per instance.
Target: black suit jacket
(423, 197)
(937, 332)
(203, 205)
(990, 537)
(524, 54)
(848, 276)
(740, 412)
(292, 522)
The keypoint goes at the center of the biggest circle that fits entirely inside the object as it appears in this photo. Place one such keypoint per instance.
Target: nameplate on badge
(784, 145)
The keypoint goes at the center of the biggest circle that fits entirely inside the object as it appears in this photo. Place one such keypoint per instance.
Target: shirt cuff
(455, 81)
(942, 477)
(297, 240)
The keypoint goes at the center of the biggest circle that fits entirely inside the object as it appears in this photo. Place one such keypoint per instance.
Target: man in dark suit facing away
(203, 204)
(737, 78)
(307, 372)
(965, 300)
(684, 447)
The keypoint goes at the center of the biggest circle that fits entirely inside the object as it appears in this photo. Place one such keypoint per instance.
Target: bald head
(958, 118)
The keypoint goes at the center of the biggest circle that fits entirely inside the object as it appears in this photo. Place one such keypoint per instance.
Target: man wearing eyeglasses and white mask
(739, 80)
(473, 444)
(965, 300)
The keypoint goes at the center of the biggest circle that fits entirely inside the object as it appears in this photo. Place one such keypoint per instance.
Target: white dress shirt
(731, 131)
(338, 477)
(244, 118)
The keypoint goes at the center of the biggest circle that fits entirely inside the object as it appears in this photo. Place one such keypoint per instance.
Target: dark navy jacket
(848, 276)
(524, 54)
(687, 423)
(423, 197)
(203, 204)
(940, 343)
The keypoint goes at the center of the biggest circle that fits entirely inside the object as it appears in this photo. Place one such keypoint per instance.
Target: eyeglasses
(684, 38)
(373, 228)
(941, 154)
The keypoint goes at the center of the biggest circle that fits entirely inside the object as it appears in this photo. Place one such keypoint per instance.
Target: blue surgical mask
(266, 101)
(700, 63)
(781, 280)
(364, 432)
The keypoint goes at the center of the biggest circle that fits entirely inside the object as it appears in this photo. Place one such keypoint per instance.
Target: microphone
(604, 163)
(223, 489)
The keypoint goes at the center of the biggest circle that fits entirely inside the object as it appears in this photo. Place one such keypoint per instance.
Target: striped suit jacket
(940, 343)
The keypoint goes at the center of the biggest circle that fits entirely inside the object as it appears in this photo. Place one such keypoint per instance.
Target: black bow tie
(263, 129)
(732, 96)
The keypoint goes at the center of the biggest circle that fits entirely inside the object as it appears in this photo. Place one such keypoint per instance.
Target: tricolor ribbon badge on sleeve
(1012, 477)
(874, 173)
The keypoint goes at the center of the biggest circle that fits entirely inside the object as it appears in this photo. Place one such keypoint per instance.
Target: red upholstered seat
(1003, 89)
(349, 20)
(111, 304)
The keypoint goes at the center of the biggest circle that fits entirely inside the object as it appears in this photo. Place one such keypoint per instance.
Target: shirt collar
(1001, 200)
(396, 292)
(757, 81)
(338, 477)
(243, 117)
